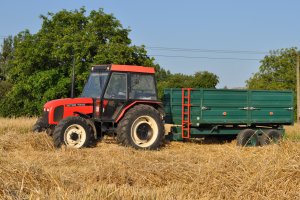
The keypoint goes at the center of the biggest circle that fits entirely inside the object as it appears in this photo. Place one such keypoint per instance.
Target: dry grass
(293, 132)
(30, 168)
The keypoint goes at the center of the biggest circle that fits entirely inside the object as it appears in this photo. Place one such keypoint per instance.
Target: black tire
(50, 130)
(247, 137)
(40, 125)
(141, 128)
(73, 132)
(271, 136)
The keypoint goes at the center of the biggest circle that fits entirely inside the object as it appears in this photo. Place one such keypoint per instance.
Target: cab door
(115, 96)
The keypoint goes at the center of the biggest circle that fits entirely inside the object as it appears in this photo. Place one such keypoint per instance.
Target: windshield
(95, 85)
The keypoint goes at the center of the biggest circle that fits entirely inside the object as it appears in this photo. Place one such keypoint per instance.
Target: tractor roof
(125, 68)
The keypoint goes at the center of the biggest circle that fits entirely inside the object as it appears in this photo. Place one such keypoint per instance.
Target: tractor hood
(68, 102)
(61, 108)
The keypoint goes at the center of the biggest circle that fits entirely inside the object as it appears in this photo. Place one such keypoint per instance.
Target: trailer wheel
(73, 132)
(40, 125)
(141, 128)
(247, 137)
(270, 136)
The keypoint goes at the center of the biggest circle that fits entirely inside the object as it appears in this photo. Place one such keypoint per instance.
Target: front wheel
(141, 128)
(73, 132)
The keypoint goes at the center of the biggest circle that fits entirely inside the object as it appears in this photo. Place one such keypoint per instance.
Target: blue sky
(231, 25)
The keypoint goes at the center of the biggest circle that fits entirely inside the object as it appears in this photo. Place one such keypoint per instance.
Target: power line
(177, 49)
(204, 57)
(159, 48)
(205, 50)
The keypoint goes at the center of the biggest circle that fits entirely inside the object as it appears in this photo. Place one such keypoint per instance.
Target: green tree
(198, 80)
(6, 55)
(41, 64)
(5, 87)
(276, 72)
(204, 79)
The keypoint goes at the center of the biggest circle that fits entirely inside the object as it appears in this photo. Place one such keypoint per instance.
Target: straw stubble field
(30, 168)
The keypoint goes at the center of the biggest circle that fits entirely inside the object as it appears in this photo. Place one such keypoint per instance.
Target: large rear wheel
(141, 128)
(73, 132)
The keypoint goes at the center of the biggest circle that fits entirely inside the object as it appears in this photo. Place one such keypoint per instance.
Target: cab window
(117, 86)
(142, 87)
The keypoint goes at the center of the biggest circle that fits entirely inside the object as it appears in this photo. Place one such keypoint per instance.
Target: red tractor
(117, 99)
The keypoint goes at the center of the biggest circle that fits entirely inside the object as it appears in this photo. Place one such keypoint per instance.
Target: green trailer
(256, 117)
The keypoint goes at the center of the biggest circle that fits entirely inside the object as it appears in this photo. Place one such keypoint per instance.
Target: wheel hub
(144, 131)
(74, 136)
(251, 141)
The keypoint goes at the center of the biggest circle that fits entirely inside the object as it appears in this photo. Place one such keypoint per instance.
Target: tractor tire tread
(40, 125)
(123, 137)
(58, 137)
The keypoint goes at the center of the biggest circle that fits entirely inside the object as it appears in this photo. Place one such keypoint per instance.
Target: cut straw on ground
(31, 168)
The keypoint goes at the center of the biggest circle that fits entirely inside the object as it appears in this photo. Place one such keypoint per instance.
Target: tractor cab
(113, 82)
(116, 86)
(110, 93)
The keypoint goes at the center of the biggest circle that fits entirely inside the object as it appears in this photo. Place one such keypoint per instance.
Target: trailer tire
(269, 137)
(141, 128)
(73, 132)
(40, 125)
(247, 137)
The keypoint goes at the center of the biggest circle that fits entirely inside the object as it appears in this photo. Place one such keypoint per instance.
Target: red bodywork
(134, 103)
(82, 105)
(85, 105)
(132, 68)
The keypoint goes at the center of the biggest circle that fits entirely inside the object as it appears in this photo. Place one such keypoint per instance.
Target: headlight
(46, 109)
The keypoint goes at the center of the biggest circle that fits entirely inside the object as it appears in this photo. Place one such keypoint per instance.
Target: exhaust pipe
(73, 78)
